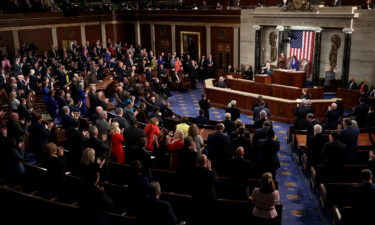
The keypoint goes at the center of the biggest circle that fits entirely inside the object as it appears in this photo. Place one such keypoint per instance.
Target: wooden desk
(275, 90)
(235, 75)
(281, 109)
(349, 97)
(103, 84)
(290, 78)
(263, 79)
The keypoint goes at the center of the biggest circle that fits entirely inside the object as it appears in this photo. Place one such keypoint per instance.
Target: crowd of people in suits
(66, 81)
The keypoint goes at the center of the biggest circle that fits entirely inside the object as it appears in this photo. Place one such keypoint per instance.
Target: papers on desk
(262, 75)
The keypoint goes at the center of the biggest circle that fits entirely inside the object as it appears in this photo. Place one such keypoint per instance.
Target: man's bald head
(202, 160)
(240, 152)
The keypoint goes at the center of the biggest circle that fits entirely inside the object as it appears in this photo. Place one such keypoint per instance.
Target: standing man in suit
(153, 210)
(17, 69)
(352, 84)
(333, 155)
(361, 113)
(228, 124)
(193, 74)
(204, 104)
(257, 110)
(349, 136)
(268, 148)
(210, 67)
(119, 118)
(316, 144)
(332, 117)
(202, 68)
(363, 197)
(203, 182)
(218, 145)
(3, 79)
(240, 170)
(234, 111)
(301, 112)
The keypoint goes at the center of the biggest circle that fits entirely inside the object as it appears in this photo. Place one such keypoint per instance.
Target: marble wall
(326, 49)
(332, 21)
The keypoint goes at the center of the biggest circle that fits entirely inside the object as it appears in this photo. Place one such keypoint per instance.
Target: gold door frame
(182, 33)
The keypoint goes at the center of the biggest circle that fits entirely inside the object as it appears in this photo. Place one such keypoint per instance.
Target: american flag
(302, 45)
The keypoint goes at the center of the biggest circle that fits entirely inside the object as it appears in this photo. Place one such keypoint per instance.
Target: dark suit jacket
(257, 111)
(315, 146)
(332, 119)
(349, 136)
(259, 134)
(203, 191)
(363, 197)
(229, 127)
(353, 85)
(132, 136)
(76, 143)
(218, 145)
(333, 157)
(15, 129)
(155, 211)
(95, 101)
(301, 113)
(268, 159)
(100, 147)
(361, 115)
(235, 112)
(2, 82)
(93, 204)
(205, 105)
(67, 121)
(240, 170)
(121, 121)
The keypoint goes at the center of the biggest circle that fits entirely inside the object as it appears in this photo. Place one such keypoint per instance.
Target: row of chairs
(333, 190)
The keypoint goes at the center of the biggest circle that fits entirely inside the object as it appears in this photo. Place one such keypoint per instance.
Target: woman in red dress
(117, 140)
(152, 132)
(174, 144)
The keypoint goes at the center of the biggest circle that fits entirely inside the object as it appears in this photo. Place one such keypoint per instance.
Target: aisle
(299, 207)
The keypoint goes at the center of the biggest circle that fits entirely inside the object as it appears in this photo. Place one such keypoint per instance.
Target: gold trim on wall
(182, 33)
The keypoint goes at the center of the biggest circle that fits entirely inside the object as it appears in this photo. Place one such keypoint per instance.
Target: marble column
(346, 61)
(173, 31)
(153, 38)
(235, 46)
(258, 42)
(317, 50)
(104, 35)
(280, 47)
(208, 41)
(137, 27)
(16, 40)
(55, 42)
(83, 35)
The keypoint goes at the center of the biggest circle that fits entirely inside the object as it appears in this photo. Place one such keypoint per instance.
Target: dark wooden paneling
(201, 30)
(146, 36)
(41, 38)
(221, 35)
(123, 32)
(6, 40)
(93, 33)
(163, 39)
(68, 33)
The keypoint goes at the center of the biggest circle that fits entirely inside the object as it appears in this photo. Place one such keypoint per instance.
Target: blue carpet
(299, 205)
